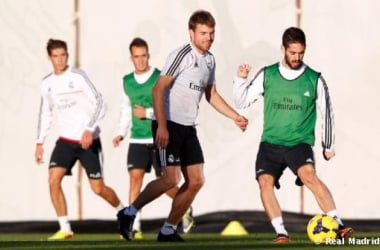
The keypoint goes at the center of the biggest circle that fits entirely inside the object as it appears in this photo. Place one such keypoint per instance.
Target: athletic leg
(58, 200)
(57, 196)
(323, 196)
(107, 193)
(92, 161)
(170, 179)
(268, 197)
(194, 180)
(320, 191)
(136, 176)
(272, 207)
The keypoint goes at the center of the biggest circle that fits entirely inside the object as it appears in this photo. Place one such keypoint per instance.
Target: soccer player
(292, 91)
(69, 94)
(137, 112)
(188, 73)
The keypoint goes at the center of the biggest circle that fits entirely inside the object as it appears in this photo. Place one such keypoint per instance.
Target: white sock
(131, 210)
(334, 214)
(64, 223)
(278, 225)
(137, 223)
(119, 207)
(168, 228)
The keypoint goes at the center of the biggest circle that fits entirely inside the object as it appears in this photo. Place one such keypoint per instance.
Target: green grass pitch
(200, 241)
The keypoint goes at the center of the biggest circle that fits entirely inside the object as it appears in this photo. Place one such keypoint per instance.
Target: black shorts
(143, 156)
(66, 153)
(274, 159)
(183, 149)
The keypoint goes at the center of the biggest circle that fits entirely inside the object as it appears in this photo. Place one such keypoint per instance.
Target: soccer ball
(321, 228)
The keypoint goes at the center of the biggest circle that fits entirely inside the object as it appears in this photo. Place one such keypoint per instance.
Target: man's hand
(328, 154)
(243, 71)
(139, 111)
(162, 137)
(38, 154)
(241, 122)
(116, 141)
(86, 139)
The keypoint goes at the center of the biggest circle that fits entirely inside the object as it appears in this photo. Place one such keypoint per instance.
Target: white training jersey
(76, 102)
(192, 72)
(247, 92)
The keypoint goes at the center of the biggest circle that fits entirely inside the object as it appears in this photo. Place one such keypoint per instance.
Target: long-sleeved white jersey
(75, 101)
(245, 93)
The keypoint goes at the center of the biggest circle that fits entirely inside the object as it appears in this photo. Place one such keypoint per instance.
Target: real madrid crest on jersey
(208, 62)
(71, 85)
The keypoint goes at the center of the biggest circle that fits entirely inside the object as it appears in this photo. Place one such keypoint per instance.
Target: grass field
(204, 241)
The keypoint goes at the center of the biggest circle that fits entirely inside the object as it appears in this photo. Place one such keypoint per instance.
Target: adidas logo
(97, 175)
(307, 93)
(309, 160)
(259, 171)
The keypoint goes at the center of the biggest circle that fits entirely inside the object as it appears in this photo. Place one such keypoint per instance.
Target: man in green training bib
(292, 92)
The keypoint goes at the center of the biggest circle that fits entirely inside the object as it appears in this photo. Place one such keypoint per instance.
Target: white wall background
(343, 43)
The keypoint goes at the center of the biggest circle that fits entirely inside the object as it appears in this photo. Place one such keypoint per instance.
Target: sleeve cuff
(330, 149)
(92, 129)
(239, 80)
(149, 113)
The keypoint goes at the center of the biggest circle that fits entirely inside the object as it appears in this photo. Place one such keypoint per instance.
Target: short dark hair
(55, 44)
(201, 17)
(138, 42)
(293, 35)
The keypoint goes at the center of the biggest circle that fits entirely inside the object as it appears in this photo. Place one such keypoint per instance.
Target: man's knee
(171, 177)
(310, 179)
(170, 181)
(265, 181)
(308, 176)
(54, 182)
(98, 187)
(136, 181)
(55, 177)
(196, 183)
(136, 176)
